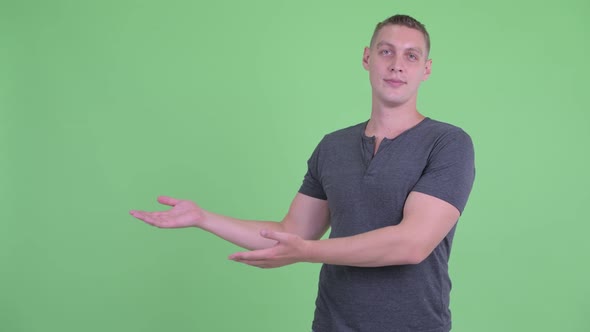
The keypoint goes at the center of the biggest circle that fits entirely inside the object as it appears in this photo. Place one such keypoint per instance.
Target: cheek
(419, 73)
(378, 70)
(375, 78)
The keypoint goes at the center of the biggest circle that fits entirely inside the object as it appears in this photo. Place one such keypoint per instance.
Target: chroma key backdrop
(104, 105)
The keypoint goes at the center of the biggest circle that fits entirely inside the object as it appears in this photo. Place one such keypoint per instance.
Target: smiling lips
(394, 82)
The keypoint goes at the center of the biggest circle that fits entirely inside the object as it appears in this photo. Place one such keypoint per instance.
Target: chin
(392, 102)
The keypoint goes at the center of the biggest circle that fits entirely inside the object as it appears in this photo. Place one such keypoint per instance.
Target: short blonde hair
(406, 21)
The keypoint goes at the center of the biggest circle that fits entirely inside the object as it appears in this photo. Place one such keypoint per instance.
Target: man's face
(397, 63)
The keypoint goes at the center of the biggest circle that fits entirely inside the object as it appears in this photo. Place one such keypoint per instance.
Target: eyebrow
(415, 49)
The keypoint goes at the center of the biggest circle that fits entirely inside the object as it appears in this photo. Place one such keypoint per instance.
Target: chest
(372, 188)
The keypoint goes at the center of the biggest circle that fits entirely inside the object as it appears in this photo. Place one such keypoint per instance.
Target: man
(391, 189)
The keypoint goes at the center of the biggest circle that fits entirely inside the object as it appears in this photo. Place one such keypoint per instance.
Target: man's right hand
(182, 214)
(308, 218)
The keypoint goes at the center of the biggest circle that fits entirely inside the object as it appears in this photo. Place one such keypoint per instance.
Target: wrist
(310, 251)
(202, 218)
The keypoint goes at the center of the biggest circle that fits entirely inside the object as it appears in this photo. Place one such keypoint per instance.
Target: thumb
(168, 200)
(278, 236)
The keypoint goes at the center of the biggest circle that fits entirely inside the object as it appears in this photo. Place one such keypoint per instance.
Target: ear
(366, 54)
(427, 69)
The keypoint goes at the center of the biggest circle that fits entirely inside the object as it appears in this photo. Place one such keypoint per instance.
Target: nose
(395, 65)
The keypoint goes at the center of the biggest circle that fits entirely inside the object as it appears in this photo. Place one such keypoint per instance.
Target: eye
(385, 52)
(412, 57)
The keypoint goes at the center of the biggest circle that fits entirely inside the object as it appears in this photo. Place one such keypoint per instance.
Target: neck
(393, 120)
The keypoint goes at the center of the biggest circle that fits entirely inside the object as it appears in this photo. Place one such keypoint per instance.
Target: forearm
(393, 245)
(244, 233)
(427, 220)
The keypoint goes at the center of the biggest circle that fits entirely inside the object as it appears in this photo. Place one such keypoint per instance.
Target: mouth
(394, 82)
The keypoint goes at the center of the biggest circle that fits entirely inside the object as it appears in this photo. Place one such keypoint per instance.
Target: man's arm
(427, 220)
(308, 218)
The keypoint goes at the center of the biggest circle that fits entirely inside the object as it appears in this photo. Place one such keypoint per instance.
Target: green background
(104, 105)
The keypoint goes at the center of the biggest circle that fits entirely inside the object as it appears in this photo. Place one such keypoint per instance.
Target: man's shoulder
(440, 127)
(428, 129)
(437, 131)
(351, 132)
(355, 129)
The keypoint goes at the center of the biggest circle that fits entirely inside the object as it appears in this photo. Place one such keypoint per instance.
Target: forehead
(401, 36)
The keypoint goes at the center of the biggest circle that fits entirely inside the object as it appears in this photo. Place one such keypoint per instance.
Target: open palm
(183, 213)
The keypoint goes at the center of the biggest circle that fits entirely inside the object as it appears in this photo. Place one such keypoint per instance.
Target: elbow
(415, 259)
(408, 256)
(416, 255)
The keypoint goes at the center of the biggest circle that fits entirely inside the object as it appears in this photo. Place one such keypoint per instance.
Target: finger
(260, 264)
(141, 215)
(148, 217)
(137, 214)
(255, 255)
(166, 200)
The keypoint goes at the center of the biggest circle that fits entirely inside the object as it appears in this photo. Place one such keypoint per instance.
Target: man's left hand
(289, 249)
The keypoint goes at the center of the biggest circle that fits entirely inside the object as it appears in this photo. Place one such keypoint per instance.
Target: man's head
(406, 21)
(397, 61)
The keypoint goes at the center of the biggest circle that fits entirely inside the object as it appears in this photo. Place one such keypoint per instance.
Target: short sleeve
(312, 185)
(450, 171)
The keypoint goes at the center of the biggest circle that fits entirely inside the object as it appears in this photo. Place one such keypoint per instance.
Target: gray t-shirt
(367, 192)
